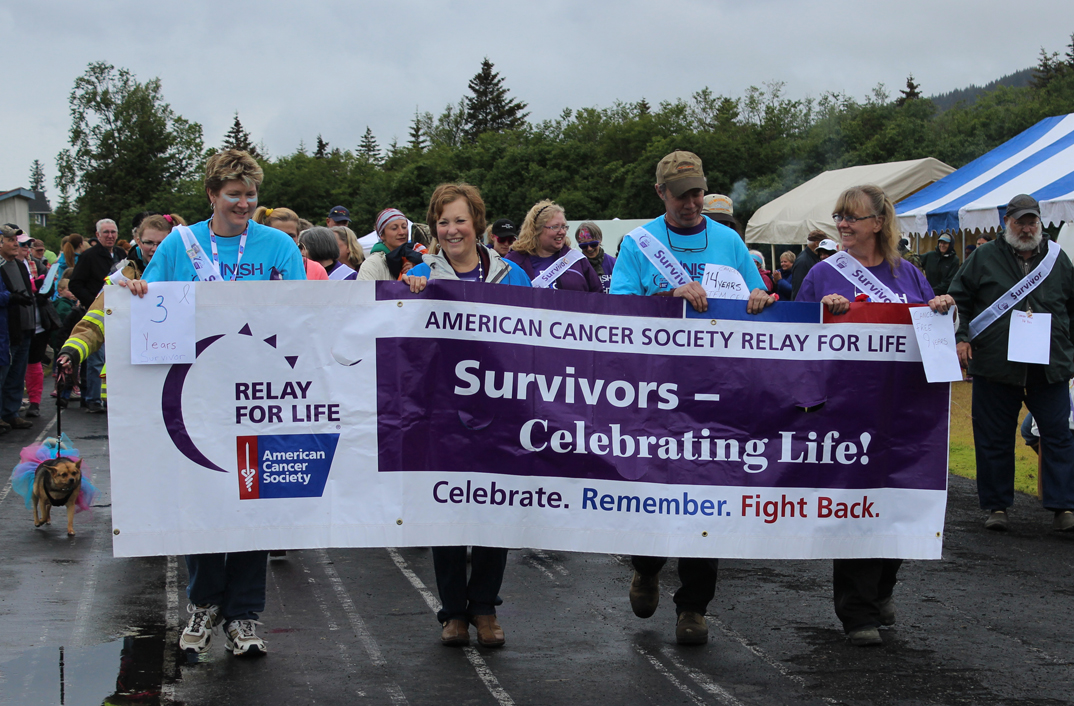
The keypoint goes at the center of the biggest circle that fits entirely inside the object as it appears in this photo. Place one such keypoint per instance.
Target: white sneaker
(199, 631)
(242, 640)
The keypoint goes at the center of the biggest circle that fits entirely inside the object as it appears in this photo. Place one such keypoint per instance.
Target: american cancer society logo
(284, 465)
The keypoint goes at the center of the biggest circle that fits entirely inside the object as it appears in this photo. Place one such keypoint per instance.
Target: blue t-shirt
(269, 254)
(717, 243)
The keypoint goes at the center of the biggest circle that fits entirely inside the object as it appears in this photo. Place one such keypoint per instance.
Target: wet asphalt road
(990, 623)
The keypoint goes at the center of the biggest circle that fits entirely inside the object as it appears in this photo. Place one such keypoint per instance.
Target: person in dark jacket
(86, 283)
(545, 255)
(1027, 276)
(805, 261)
(940, 265)
(21, 322)
(589, 238)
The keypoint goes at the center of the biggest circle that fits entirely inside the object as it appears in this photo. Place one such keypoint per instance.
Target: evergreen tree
(910, 93)
(368, 147)
(37, 176)
(417, 137)
(322, 148)
(1048, 68)
(643, 108)
(488, 108)
(64, 220)
(237, 138)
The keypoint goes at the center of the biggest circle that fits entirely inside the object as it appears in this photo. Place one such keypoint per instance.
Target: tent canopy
(791, 217)
(1038, 162)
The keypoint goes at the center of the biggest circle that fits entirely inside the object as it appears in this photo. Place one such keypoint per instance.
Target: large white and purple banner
(354, 414)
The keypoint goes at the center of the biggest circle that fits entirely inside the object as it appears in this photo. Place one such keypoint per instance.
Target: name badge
(1030, 339)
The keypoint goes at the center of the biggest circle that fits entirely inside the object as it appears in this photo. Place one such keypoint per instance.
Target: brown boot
(489, 632)
(456, 633)
(644, 595)
(691, 629)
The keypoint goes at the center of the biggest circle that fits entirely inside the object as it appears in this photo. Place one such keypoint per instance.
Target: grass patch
(962, 460)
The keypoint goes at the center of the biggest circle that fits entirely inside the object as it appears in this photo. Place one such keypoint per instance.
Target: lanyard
(216, 255)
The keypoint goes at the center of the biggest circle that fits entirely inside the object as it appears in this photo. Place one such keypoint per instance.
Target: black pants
(860, 586)
(698, 577)
(464, 599)
(38, 346)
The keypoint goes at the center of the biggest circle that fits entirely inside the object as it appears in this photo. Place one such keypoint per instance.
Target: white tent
(1038, 162)
(790, 218)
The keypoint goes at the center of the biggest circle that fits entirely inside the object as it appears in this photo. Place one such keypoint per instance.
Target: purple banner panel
(450, 405)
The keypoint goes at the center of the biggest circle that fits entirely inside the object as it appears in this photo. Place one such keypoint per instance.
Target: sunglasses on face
(505, 238)
(589, 245)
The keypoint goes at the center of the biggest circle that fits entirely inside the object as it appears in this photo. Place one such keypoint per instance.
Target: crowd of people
(244, 241)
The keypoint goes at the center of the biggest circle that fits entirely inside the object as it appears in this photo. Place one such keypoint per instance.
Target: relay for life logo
(284, 465)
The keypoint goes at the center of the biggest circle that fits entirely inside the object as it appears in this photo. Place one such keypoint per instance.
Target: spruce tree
(417, 137)
(910, 93)
(322, 148)
(368, 147)
(488, 108)
(643, 108)
(37, 176)
(237, 138)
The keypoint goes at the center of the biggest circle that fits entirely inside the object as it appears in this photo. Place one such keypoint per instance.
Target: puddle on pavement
(125, 671)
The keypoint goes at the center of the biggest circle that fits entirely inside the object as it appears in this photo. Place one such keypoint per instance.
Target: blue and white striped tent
(1039, 162)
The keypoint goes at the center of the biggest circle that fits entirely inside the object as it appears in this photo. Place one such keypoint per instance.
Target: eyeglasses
(558, 229)
(850, 220)
(504, 238)
(591, 245)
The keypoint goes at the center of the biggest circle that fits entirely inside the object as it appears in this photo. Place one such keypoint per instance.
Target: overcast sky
(296, 70)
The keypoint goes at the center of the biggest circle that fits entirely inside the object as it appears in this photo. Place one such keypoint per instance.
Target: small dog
(57, 481)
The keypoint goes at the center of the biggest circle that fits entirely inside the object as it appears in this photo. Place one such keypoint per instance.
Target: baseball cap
(504, 227)
(719, 204)
(339, 214)
(24, 239)
(828, 245)
(1022, 204)
(681, 171)
(945, 238)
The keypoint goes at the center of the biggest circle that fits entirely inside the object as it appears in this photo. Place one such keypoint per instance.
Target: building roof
(17, 193)
(40, 203)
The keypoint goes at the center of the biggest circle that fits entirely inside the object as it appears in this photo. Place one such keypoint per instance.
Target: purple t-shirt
(823, 279)
(473, 275)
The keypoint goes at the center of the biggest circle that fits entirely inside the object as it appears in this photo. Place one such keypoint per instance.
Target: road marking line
(370, 644)
(659, 667)
(89, 588)
(703, 681)
(171, 629)
(472, 655)
(318, 595)
(38, 440)
(560, 569)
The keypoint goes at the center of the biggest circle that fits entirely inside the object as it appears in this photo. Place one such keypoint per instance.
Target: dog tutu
(22, 478)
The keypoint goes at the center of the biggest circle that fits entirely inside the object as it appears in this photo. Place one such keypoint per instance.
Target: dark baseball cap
(504, 227)
(339, 214)
(1022, 204)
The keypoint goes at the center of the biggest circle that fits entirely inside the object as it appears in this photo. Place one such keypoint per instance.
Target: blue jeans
(235, 582)
(15, 380)
(995, 419)
(463, 599)
(94, 365)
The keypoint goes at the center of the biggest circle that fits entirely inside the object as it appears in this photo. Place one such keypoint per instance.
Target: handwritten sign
(1030, 339)
(936, 340)
(723, 282)
(162, 324)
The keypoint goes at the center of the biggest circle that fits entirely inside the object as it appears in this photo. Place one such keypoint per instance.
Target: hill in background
(969, 95)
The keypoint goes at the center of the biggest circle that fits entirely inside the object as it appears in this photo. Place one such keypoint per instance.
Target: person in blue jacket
(695, 242)
(225, 588)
